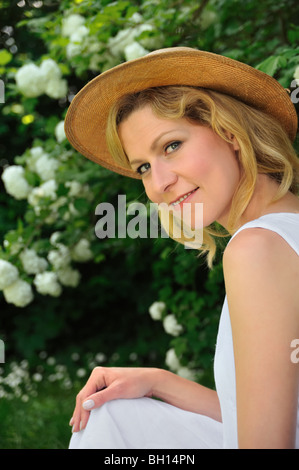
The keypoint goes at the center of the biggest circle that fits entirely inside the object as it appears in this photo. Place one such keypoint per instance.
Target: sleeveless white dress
(146, 423)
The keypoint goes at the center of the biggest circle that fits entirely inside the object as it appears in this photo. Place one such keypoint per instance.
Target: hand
(110, 383)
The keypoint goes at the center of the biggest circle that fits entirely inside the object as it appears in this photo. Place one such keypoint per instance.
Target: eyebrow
(153, 145)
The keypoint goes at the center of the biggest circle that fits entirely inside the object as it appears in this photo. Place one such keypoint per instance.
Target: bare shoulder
(262, 248)
(260, 266)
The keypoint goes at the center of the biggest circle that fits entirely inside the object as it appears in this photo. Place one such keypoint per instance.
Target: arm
(261, 276)
(112, 383)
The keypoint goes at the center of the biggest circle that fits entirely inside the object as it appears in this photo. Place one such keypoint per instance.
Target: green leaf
(5, 57)
(270, 65)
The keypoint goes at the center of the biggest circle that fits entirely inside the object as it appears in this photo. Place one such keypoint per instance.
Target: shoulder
(260, 267)
(259, 260)
(258, 247)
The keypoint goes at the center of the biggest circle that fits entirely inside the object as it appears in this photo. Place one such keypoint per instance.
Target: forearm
(186, 394)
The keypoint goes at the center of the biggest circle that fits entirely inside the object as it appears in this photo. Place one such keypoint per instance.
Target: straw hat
(85, 123)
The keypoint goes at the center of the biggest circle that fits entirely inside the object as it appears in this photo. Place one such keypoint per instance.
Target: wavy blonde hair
(264, 145)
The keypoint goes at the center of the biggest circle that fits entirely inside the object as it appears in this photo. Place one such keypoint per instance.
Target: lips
(182, 197)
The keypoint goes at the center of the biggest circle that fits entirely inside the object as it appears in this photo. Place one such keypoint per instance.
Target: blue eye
(172, 147)
(143, 168)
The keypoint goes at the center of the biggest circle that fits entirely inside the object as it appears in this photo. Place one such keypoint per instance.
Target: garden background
(70, 301)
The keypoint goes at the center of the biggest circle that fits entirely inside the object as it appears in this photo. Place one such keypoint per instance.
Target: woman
(200, 128)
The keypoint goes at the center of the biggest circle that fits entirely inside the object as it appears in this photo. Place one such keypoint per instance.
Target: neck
(262, 202)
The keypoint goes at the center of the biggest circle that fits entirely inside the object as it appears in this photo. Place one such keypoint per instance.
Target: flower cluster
(33, 80)
(15, 290)
(102, 56)
(125, 42)
(170, 324)
(173, 362)
(15, 183)
(74, 29)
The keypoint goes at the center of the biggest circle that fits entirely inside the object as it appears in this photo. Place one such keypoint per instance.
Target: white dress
(146, 423)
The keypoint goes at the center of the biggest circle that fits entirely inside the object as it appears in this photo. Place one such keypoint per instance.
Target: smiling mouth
(182, 198)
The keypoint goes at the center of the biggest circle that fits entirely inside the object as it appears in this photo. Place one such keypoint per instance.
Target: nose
(162, 179)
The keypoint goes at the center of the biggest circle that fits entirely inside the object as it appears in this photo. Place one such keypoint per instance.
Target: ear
(233, 140)
(235, 143)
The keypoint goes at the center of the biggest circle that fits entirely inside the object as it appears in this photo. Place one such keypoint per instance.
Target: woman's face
(177, 158)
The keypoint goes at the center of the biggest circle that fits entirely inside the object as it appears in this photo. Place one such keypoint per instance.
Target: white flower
(134, 51)
(71, 23)
(59, 258)
(171, 325)
(32, 263)
(123, 38)
(47, 283)
(54, 238)
(78, 34)
(72, 50)
(33, 81)
(59, 132)
(15, 182)
(30, 80)
(68, 276)
(75, 188)
(73, 27)
(47, 189)
(46, 167)
(172, 360)
(81, 251)
(81, 372)
(19, 293)
(8, 274)
(35, 154)
(37, 377)
(56, 88)
(50, 70)
(156, 310)
(296, 74)
(100, 357)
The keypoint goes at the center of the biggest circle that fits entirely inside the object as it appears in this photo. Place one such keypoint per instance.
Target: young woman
(200, 128)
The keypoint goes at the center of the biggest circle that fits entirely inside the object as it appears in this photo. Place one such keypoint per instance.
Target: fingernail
(88, 404)
(71, 421)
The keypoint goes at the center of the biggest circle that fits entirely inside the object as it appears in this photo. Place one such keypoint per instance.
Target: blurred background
(70, 301)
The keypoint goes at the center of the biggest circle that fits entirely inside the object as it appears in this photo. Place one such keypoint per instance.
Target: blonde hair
(264, 145)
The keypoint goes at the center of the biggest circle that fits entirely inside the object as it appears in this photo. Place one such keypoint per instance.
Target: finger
(98, 399)
(92, 402)
(80, 416)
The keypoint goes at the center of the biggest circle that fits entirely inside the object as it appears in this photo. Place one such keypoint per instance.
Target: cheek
(198, 168)
(150, 192)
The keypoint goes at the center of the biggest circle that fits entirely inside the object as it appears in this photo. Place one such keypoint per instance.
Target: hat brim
(86, 119)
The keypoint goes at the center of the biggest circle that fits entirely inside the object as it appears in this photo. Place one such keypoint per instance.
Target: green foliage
(101, 290)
